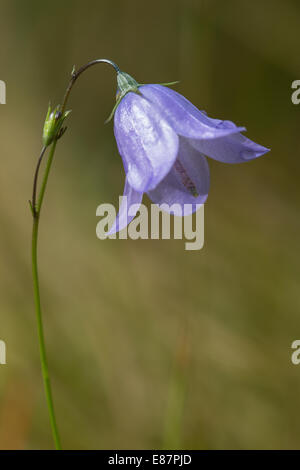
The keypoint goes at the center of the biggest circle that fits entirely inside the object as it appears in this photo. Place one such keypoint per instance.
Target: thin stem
(36, 206)
(45, 178)
(43, 356)
(36, 174)
(82, 69)
(36, 288)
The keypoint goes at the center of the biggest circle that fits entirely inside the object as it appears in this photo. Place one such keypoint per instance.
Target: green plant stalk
(43, 355)
(36, 210)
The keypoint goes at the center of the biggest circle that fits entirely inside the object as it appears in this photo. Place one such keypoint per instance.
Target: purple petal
(123, 218)
(234, 148)
(190, 169)
(147, 143)
(184, 117)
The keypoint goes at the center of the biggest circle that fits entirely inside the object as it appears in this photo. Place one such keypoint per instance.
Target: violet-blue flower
(163, 140)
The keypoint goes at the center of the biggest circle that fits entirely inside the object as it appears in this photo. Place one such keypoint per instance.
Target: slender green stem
(45, 178)
(43, 355)
(36, 205)
(36, 175)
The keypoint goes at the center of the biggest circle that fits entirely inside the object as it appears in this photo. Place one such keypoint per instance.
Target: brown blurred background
(149, 345)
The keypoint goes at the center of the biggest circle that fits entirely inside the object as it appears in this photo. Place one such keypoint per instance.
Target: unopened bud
(53, 123)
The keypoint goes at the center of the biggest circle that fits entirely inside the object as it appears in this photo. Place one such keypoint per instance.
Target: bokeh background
(149, 345)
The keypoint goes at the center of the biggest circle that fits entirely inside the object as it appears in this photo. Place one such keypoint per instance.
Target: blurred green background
(149, 345)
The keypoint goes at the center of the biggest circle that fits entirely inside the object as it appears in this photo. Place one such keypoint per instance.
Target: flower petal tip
(253, 153)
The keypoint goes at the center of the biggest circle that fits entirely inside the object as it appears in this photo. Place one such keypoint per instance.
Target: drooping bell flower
(163, 140)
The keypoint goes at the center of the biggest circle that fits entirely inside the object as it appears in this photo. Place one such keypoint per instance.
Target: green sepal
(163, 84)
(113, 110)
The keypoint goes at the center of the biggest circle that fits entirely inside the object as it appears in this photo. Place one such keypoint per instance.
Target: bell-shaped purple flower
(163, 140)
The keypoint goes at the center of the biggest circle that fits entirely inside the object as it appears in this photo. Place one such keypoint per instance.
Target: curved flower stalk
(162, 139)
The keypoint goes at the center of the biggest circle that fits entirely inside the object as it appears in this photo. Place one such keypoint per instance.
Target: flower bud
(53, 123)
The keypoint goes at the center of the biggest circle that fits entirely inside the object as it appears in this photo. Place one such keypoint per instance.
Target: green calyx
(53, 125)
(127, 84)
